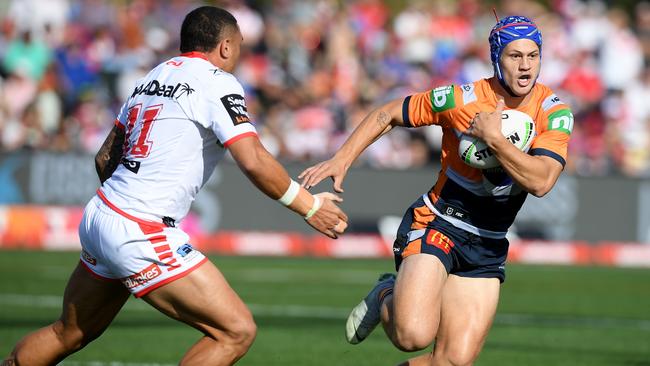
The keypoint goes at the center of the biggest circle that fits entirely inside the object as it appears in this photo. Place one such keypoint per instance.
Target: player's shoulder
(471, 92)
(557, 115)
(220, 81)
(209, 76)
(548, 100)
(454, 96)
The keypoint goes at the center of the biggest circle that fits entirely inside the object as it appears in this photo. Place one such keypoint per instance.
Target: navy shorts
(462, 253)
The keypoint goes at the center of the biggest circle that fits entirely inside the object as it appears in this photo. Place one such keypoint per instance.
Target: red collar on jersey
(195, 54)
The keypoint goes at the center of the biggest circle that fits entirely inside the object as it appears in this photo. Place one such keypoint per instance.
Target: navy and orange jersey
(483, 202)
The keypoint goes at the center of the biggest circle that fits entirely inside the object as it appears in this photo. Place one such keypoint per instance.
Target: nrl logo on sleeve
(442, 98)
(236, 108)
(561, 120)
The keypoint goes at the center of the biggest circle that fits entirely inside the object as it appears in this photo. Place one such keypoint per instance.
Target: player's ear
(225, 48)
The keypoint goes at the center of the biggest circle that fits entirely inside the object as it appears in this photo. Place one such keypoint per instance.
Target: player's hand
(329, 219)
(487, 125)
(329, 168)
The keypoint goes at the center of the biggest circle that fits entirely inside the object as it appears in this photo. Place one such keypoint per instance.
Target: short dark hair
(203, 28)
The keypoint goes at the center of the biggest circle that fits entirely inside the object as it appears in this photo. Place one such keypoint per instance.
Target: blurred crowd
(313, 68)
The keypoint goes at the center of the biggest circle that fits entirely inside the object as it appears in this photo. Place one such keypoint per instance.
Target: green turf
(548, 315)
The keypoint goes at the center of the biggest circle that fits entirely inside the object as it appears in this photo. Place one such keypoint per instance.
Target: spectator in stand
(326, 59)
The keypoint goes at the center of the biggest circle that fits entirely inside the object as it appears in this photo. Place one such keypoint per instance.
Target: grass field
(547, 315)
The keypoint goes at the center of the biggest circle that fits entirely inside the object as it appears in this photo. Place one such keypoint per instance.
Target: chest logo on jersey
(154, 87)
(236, 107)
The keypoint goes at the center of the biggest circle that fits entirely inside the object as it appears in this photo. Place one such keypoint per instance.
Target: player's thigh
(89, 304)
(467, 312)
(204, 300)
(417, 296)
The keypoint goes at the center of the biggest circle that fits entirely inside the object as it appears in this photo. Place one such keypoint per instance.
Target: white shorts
(143, 255)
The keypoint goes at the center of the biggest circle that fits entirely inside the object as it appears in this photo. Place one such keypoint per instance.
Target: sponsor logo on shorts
(88, 258)
(184, 250)
(439, 240)
(142, 277)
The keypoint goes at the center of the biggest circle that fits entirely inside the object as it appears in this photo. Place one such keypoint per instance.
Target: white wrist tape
(314, 207)
(291, 193)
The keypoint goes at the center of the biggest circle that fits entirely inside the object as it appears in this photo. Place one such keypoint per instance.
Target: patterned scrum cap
(510, 29)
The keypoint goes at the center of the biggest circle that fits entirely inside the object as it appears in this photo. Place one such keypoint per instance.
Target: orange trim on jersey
(422, 216)
(434, 193)
(414, 247)
(147, 227)
(118, 124)
(194, 54)
(420, 110)
(239, 137)
(168, 280)
(97, 276)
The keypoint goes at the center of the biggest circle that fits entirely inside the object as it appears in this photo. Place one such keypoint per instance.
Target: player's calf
(47, 345)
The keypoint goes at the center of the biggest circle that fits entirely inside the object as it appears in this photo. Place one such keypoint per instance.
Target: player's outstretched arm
(110, 154)
(536, 174)
(373, 126)
(270, 177)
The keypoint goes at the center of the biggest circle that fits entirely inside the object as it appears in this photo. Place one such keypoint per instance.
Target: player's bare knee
(411, 340)
(73, 338)
(245, 333)
(458, 354)
(240, 333)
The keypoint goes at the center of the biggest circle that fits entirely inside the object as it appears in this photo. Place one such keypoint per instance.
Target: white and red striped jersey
(177, 123)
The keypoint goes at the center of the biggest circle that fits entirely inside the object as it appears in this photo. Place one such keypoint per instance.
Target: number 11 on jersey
(139, 128)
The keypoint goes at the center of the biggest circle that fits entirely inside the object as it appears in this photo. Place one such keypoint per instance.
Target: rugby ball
(517, 127)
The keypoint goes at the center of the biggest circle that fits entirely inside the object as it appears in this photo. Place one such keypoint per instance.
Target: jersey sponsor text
(154, 87)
